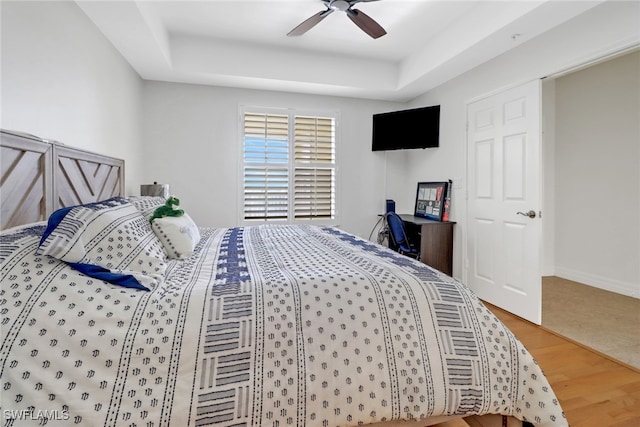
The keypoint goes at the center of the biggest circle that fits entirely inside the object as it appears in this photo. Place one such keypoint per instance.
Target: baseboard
(606, 283)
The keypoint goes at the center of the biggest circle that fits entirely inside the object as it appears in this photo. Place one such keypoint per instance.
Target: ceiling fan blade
(310, 23)
(366, 23)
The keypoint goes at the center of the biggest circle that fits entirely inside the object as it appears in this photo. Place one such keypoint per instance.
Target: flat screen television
(406, 129)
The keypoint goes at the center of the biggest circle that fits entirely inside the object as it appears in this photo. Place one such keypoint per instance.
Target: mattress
(268, 325)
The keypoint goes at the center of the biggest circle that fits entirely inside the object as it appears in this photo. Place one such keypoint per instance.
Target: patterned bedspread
(266, 325)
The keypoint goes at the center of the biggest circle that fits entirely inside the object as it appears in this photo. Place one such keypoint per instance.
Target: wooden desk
(436, 241)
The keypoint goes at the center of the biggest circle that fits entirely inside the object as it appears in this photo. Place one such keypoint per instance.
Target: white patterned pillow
(146, 204)
(109, 240)
(179, 235)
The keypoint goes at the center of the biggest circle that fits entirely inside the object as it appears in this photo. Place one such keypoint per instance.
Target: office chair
(399, 237)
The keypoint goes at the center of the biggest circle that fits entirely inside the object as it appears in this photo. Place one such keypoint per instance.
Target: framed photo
(430, 199)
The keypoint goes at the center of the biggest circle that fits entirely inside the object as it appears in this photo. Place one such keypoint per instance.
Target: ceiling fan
(366, 23)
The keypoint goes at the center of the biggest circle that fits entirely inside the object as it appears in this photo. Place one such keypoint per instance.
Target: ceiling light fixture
(341, 5)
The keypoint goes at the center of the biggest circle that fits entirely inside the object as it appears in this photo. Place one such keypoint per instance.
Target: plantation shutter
(314, 177)
(289, 167)
(266, 171)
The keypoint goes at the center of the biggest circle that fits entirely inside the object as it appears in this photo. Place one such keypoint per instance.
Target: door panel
(484, 169)
(514, 159)
(484, 259)
(504, 169)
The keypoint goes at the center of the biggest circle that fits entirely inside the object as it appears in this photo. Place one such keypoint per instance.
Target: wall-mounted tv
(406, 129)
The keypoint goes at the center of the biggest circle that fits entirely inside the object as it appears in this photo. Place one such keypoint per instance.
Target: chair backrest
(396, 229)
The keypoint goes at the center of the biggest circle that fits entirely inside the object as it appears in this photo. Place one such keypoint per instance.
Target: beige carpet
(605, 321)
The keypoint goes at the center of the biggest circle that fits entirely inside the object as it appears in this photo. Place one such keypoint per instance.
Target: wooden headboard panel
(39, 177)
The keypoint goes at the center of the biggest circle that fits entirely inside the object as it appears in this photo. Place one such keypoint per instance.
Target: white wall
(62, 80)
(597, 175)
(599, 31)
(192, 142)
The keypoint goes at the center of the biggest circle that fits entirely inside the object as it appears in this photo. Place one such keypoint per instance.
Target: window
(289, 165)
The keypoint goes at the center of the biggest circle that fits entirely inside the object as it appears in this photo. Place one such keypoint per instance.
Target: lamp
(155, 189)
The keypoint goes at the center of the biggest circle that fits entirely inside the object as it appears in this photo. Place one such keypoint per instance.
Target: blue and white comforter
(266, 325)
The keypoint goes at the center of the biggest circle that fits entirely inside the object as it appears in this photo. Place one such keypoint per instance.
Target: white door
(503, 241)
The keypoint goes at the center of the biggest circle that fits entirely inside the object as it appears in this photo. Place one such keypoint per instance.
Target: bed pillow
(109, 240)
(179, 235)
(146, 204)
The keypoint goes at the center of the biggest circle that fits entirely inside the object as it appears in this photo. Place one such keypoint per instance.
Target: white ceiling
(243, 43)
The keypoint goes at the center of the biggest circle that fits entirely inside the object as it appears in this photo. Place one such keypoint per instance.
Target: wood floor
(594, 391)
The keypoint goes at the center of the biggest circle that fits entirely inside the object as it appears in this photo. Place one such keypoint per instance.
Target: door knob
(531, 214)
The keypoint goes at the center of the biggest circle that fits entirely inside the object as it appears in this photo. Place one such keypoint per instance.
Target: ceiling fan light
(340, 5)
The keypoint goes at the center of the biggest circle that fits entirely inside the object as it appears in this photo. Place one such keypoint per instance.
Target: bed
(266, 325)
